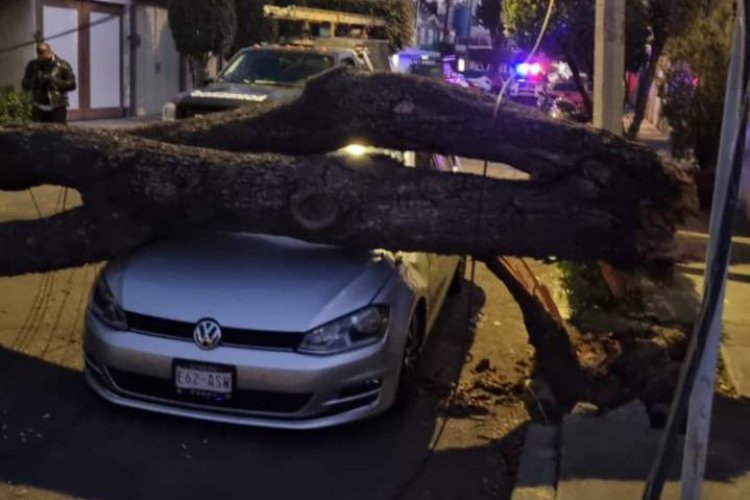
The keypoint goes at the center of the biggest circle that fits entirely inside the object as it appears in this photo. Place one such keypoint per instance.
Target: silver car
(263, 330)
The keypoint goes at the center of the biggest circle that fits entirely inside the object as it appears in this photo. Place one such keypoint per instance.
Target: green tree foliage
(399, 15)
(584, 286)
(694, 85)
(665, 20)
(201, 28)
(15, 105)
(676, 90)
(252, 26)
(488, 13)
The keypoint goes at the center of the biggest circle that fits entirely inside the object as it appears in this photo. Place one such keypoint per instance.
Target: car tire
(408, 373)
(457, 282)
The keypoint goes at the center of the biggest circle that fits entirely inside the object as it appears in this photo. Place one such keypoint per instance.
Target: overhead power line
(61, 34)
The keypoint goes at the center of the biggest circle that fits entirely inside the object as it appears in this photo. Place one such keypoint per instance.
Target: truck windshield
(275, 67)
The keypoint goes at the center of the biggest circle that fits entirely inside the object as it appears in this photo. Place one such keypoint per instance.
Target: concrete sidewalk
(588, 458)
(602, 459)
(735, 345)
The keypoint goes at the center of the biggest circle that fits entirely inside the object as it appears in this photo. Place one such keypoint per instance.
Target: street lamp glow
(354, 150)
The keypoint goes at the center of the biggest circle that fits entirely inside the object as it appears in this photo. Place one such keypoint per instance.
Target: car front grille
(242, 400)
(183, 330)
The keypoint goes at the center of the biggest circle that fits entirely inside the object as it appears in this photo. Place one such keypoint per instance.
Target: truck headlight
(358, 329)
(105, 307)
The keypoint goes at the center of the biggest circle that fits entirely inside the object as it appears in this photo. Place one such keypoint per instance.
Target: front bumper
(282, 389)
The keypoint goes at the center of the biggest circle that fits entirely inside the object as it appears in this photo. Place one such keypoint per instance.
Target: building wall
(157, 63)
(17, 26)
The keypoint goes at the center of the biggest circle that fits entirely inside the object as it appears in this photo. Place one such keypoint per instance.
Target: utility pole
(609, 64)
(725, 195)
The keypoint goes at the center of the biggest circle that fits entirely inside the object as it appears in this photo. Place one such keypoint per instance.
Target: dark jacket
(49, 82)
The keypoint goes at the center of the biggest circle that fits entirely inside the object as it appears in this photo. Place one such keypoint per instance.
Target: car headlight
(358, 329)
(105, 307)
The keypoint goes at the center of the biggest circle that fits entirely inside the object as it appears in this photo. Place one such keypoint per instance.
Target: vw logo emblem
(207, 334)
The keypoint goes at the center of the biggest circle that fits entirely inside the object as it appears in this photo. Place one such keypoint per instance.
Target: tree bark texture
(266, 169)
(645, 80)
(547, 331)
(588, 103)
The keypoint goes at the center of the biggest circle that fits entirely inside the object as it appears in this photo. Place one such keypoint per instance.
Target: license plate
(201, 378)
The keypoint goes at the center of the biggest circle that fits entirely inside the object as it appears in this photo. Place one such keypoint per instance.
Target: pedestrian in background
(49, 79)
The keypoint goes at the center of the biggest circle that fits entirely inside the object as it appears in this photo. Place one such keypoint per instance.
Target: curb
(537, 471)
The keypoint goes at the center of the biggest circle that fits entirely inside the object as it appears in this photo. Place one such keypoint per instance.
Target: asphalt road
(58, 440)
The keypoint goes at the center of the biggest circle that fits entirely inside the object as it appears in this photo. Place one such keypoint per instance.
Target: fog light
(361, 387)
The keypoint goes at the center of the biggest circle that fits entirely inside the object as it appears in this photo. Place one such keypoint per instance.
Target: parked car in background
(566, 89)
(562, 108)
(478, 79)
(455, 78)
(437, 70)
(265, 330)
(527, 100)
(520, 88)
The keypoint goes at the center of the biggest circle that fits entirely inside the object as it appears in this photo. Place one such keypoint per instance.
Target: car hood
(248, 281)
(229, 95)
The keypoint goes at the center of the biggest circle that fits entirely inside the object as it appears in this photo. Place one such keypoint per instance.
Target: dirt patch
(486, 388)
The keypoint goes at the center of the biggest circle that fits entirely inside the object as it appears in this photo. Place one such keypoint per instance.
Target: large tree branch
(405, 112)
(592, 195)
(402, 112)
(72, 238)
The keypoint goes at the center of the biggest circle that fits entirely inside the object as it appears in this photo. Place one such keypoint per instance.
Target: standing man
(49, 79)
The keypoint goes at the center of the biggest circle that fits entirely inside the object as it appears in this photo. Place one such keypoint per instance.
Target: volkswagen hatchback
(264, 330)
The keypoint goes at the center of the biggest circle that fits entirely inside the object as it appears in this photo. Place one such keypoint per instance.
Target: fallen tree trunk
(547, 331)
(591, 195)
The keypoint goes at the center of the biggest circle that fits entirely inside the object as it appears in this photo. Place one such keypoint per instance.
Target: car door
(441, 268)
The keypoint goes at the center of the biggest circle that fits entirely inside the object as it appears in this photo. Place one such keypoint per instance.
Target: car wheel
(408, 373)
(457, 282)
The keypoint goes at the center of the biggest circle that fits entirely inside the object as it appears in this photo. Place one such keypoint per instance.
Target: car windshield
(275, 67)
(428, 70)
(566, 87)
